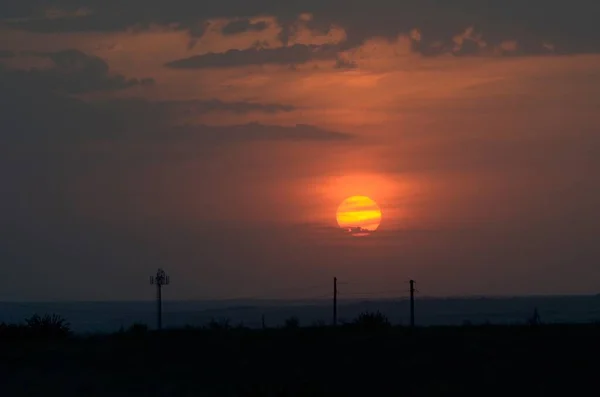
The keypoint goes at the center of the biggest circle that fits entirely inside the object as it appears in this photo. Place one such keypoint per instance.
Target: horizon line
(320, 299)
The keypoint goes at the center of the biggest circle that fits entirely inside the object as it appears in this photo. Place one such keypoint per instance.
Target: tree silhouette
(372, 321)
(292, 323)
(49, 325)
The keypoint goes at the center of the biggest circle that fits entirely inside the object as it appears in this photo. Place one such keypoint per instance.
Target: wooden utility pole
(334, 301)
(412, 303)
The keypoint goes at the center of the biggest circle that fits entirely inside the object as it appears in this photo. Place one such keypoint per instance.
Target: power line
(272, 294)
(375, 292)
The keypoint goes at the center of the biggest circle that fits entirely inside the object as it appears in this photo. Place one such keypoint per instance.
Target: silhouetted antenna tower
(159, 280)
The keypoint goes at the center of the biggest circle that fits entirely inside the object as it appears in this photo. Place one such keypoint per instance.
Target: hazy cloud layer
(295, 54)
(60, 118)
(341, 63)
(243, 25)
(566, 27)
(63, 120)
(256, 132)
(158, 111)
(72, 72)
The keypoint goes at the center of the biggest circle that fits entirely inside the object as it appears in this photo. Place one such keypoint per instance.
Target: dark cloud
(196, 29)
(243, 25)
(194, 107)
(103, 17)
(7, 54)
(255, 132)
(73, 72)
(140, 114)
(345, 64)
(292, 55)
(569, 26)
(35, 115)
(60, 119)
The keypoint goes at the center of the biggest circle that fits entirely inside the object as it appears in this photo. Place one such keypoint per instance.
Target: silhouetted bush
(292, 323)
(220, 325)
(241, 327)
(372, 321)
(137, 329)
(49, 325)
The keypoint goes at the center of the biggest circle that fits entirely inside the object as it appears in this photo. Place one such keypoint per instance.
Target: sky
(217, 139)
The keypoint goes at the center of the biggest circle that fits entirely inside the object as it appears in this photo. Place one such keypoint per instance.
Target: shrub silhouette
(241, 327)
(221, 325)
(49, 325)
(137, 329)
(292, 323)
(372, 321)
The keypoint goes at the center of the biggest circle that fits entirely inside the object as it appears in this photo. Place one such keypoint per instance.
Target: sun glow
(359, 215)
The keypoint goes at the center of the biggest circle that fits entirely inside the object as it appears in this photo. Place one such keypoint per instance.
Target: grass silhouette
(366, 357)
(372, 321)
(292, 323)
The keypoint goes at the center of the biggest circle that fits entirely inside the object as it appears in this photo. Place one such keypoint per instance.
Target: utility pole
(412, 303)
(334, 301)
(159, 280)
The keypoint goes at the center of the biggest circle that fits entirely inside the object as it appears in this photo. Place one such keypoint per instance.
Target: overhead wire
(292, 293)
(274, 294)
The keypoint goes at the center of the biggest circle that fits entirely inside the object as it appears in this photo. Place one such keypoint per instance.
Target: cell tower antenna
(159, 280)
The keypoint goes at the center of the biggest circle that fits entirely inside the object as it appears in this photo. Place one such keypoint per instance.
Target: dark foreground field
(320, 361)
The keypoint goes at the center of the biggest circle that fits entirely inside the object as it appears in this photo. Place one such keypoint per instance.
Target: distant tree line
(53, 326)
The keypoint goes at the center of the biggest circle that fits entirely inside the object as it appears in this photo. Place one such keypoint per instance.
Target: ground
(320, 361)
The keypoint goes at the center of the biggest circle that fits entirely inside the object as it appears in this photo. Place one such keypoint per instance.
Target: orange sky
(479, 161)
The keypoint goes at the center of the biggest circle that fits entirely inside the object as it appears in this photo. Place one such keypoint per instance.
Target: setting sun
(359, 215)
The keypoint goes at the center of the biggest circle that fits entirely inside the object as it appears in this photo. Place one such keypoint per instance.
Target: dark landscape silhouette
(366, 356)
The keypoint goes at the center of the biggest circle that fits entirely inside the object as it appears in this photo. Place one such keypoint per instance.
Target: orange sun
(359, 215)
